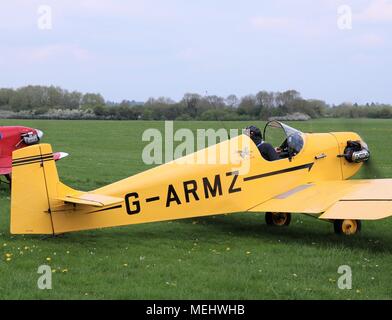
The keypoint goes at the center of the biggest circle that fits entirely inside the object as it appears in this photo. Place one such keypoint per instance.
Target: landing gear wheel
(347, 227)
(277, 219)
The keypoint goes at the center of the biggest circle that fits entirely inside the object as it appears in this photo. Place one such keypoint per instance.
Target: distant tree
(286, 98)
(55, 102)
(5, 97)
(214, 101)
(213, 115)
(19, 101)
(265, 99)
(72, 100)
(126, 103)
(248, 106)
(191, 102)
(92, 100)
(54, 97)
(165, 101)
(232, 101)
(266, 102)
(319, 107)
(161, 101)
(386, 112)
(126, 113)
(100, 111)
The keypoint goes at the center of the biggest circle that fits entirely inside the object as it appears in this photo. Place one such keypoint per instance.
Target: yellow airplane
(310, 177)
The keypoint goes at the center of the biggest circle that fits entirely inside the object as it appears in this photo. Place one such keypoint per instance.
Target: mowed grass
(224, 257)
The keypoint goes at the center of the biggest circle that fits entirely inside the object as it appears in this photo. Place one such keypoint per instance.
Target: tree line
(57, 103)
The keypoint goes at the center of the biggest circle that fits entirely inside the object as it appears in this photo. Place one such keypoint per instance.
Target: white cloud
(188, 54)
(361, 58)
(270, 22)
(135, 9)
(370, 40)
(308, 30)
(19, 14)
(45, 53)
(377, 11)
(56, 51)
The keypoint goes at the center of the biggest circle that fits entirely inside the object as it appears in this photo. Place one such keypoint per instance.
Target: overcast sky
(138, 49)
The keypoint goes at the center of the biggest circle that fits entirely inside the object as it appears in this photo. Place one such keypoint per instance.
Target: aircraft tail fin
(34, 183)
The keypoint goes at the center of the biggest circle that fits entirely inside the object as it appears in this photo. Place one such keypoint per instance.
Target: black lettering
(191, 190)
(213, 190)
(172, 196)
(136, 204)
(232, 188)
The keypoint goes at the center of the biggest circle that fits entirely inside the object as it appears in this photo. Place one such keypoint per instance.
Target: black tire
(278, 219)
(347, 227)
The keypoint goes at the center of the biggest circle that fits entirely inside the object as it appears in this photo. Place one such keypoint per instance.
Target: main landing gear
(278, 219)
(347, 227)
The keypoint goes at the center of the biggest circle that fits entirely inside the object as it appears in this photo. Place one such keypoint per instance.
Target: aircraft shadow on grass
(234, 226)
(297, 233)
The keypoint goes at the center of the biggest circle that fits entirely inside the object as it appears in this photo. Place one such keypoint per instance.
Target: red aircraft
(16, 137)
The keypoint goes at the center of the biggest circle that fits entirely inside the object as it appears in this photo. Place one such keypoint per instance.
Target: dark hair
(254, 133)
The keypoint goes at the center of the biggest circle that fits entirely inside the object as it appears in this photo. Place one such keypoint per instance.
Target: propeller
(358, 152)
(370, 169)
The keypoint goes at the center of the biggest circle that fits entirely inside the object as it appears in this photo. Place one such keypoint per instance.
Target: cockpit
(288, 141)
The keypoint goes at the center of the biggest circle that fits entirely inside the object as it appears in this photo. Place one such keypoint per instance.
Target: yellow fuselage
(177, 190)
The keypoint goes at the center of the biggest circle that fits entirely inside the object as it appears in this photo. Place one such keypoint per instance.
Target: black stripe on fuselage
(365, 200)
(268, 174)
(106, 209)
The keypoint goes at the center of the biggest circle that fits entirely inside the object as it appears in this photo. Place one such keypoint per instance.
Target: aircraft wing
(347, 199)
(5, 165)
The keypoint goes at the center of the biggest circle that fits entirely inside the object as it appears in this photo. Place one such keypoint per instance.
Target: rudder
(34, 178)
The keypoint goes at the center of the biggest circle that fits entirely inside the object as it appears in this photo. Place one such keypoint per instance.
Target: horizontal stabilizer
(59, 155)
(91, 199)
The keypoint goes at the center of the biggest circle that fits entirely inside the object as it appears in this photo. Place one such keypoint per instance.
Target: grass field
(224, 257)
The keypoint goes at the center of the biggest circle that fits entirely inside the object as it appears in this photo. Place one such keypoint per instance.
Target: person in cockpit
(267, 151)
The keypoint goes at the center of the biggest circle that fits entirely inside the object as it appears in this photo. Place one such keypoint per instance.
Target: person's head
(254, 133)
